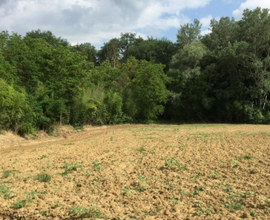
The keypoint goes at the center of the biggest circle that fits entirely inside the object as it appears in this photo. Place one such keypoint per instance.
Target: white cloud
(94, 20)
(228, 1)
(206, 21)
(250, 4)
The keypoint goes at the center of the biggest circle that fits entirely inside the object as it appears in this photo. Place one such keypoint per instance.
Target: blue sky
(216, 9)
(97, 21)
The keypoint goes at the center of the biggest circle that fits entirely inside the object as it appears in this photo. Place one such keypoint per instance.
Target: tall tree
(48, 37)
(145, 91)
(222, 32)
(87, 50)
(255, 30)
(110, 52)
(188, 33)
(153, 50)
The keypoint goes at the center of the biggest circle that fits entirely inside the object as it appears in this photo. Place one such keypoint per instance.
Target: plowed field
(138, 172)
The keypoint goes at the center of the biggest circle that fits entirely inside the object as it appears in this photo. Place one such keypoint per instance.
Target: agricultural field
(199, 171)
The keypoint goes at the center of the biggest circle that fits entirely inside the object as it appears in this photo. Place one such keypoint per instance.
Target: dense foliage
(220, 77)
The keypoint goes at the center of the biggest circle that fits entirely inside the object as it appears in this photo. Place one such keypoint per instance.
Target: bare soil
(138, 172)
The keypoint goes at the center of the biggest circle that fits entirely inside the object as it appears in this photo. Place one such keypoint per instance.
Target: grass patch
(69, 144)
(81, 212)
(97, 165)
(70, 167)
(125, 191)
(248, 157)
(234, 163)
(141, 188)
(43, 177)
(7, 173)
(141, 150)
(216, 175)
(21, 203)
(173, 164)
(4, 190)
(234, 205)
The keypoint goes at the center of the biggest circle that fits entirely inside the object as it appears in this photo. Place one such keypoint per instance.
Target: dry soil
(138, 172)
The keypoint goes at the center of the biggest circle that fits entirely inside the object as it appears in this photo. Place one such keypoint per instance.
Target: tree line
(222, 77)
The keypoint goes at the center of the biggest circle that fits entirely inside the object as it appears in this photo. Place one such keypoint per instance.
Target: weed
(69, 144)
(197, 175)
(111, 155)
(196, 192)
(169, 146)
(97, 165)
(228, 188)
(234, 163)
(247, 157)
(44, 213)
(89, 174)
(253, 213)
(264, 199)
(200, 135)
(216, 175)
(153, 212)
(49, 164)
(43, 177)
(198, 213)
(56, 204)
(21, 203)
(141, 188)
(252, 171)
(265, 133)
(177, 201)
(25, 179)
(97, 180)
(181, 147)
(175, 130)
(198, 204)
(234, 203)
(33, 194)
(70, 167)
(81, 212)
(172, 163)
(7, 173)
(141, 177)
(6, 192)
(141, 149)
(125, 191)
(43, 156)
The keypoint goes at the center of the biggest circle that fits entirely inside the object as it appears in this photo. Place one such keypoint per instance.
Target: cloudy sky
(97, 21)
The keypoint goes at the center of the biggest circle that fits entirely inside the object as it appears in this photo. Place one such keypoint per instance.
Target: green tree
(153, 50)
(222, 32)
(48, 37)
(145, 91)
(110, 52)
(87, 50)
(15, 112)
(255, 30)
(188, 87)
(188, 33)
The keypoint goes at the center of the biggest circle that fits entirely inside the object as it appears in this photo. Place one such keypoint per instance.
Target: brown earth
(138, 172)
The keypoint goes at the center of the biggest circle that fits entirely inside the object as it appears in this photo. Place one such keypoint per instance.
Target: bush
(15, 111)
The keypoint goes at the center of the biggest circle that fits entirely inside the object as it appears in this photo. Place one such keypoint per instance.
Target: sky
(98, 21)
